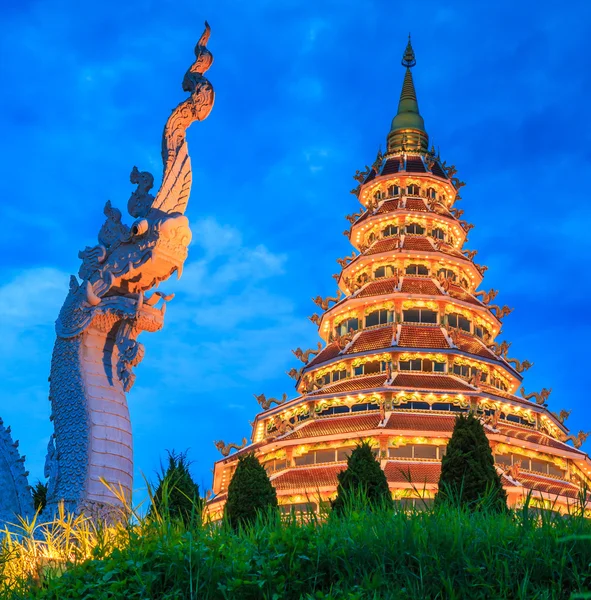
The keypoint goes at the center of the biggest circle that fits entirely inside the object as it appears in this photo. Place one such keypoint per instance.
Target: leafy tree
(250, 492)
(177, 495)
(468, 474)
(39, 496)
(362, 481)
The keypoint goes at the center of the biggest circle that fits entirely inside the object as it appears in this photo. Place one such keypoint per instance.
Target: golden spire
(408, 125)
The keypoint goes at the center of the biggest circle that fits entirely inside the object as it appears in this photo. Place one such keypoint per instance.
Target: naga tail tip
(205, 35)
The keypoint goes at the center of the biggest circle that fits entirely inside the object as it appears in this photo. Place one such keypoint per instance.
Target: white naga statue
(106, 309)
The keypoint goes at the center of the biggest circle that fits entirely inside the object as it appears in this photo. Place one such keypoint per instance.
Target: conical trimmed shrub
(363, 481)
(250, 492)
(177, 495)
(468, 475)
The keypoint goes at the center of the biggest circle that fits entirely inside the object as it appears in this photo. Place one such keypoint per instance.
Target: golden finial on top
(408, 58)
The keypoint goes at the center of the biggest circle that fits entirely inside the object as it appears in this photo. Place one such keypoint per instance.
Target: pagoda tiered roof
(409, 344)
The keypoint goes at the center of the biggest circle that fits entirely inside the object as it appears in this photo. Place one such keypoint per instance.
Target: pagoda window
(415, 228)
(344, 453)
(419, 315)
(373, 367)
(379, 317)
(480, 331)
(446, 273)
(386, 271)
(401, 452)
(324, 456)
(393, 190)
(431, 193)
(378, 195)
(438, 233)
(324, 380)
(413, 190)
(390, 231)
(338, 375)
(422, 364)
(461, 370)
(425, 451)
(302, 507)
(500, 459)
(417, 270)
(365, 406)
(458, 320)
(464, 283)
(347, 326)
(411, 365)
(417, 451)
(498, 384)
(306, 459)
(371, 238)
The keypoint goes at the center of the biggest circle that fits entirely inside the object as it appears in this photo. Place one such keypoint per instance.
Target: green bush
(177, 495)
(250, 493)
(362, 482)
(468, 475)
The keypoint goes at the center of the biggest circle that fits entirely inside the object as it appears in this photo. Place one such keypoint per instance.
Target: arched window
(413, 190)
(347, 325)
(446, 273)
(379, 317)
(419, 315)
(431, 193)
(371, 238)
(378, 195)
(438, 233)
(385, 271)
(390, 230)
(417, 270)
(458, 320)
(464, 283)
(415, 228)
(393, 190)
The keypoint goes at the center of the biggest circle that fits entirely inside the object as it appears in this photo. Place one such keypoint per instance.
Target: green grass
(387, 554)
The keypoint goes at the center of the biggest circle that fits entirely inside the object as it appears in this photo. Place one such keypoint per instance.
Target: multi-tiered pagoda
(408, 343)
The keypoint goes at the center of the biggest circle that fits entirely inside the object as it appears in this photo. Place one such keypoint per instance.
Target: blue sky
(305, 95)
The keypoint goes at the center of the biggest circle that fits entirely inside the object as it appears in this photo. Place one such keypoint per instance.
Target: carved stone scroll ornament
(104, 312)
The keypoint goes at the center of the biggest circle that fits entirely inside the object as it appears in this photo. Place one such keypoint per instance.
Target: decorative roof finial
(408, 128)
(408, 58)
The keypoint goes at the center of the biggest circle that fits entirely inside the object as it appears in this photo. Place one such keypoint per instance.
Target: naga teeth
(91, 297)
(179, 271)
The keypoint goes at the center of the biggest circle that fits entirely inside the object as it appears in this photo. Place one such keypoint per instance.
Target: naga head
(130, 260)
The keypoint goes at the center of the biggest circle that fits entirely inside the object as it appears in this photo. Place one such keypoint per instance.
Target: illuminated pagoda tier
(408, 343)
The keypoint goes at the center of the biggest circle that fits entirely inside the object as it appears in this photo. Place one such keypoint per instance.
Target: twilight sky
(304, 96)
